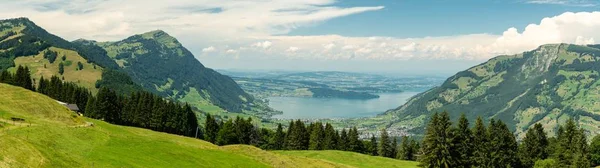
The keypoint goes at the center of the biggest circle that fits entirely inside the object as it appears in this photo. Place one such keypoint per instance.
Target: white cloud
(260, 28)
(208, 49)
(264, 45)
(292, 49)
(584, 3)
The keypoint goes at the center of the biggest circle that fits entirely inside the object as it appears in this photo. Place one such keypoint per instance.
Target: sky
(389, 36)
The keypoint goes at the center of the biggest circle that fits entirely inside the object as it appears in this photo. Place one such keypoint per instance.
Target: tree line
(301, 136)
(457, 145)
(142, 109)
(139, 109)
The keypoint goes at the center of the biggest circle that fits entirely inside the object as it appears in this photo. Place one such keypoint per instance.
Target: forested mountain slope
(547, 85)
(24, 43)
(162, 65)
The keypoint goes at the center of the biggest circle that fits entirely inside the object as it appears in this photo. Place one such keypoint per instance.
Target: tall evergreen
(330, 139)
(211, 129)
(385, 144)
(227, 134)
(343, 142)
(405, 150)
(296, 137)
(480, 143)
(462, 146)
(595, 151)
(533, 146)
(437, 143)
(316, 137)
(373, 148)
(503, 145)
(571, 148)
(61, 68)
(278, 139)
(394, 149)
(354, 143)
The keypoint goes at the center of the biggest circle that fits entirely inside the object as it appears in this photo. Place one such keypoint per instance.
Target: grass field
(352, 159)
(53, 136)
(39, 66)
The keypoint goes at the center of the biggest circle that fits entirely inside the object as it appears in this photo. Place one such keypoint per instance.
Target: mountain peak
(162, 37)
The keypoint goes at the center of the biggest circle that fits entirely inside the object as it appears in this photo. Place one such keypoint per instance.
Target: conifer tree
(373, 147)
(385, 144)
(278, 138)
(437, 142)
(480, 145)
(503, 144)
(533, 146)
(227, 134)
(394, 149)
(296, 138)
(354, 144)
(461, 142)
(330, 139)
(211, 129)
(316, 137)
(404, 151)
(595, 151)
(61, 68)
(343, 142)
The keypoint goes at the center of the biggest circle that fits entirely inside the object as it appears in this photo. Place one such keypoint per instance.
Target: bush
(546, 163)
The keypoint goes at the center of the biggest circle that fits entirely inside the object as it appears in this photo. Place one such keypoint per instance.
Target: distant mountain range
(153, 61)
(547, 85)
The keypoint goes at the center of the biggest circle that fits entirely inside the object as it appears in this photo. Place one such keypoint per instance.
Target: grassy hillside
(39, 66)
(547, 85)
(352, 159)
(52, 136)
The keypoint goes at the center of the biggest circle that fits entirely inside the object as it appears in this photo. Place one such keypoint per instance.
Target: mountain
(547, 85)
(152, 61)
(159, 63)
(53, 136)
(24, 43)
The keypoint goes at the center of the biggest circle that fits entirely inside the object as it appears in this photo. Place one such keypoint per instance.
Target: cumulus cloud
(208, 49)
(254, 27)
(584, 3)
(292, 49)
(263, 45)
(231, 51)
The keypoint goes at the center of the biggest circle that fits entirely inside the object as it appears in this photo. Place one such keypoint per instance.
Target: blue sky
(420, 18)
(391, 36)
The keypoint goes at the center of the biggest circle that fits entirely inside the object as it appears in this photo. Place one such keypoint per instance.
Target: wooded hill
(153, 61)
(547, 85)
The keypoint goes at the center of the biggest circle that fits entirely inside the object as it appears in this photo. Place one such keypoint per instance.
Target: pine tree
(226, 134)
(404, 151)
(394, 146)
(330, 139)
(354, 144)
(533, 146)
(373, 147)
(316, 137)
(503, 144)
(480, 145)
(278, 138)
(211, 129)
(595, 151)
(461, 142)
(571, 148)
(343, 142)
(437, 142)
(90, 107)
(61, 68)
(296, 137)
(385, 144)
(414, 149)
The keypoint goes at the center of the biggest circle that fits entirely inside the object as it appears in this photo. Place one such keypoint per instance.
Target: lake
(313, 108)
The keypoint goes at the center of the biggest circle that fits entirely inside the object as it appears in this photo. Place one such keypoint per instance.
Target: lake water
(312, 108)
